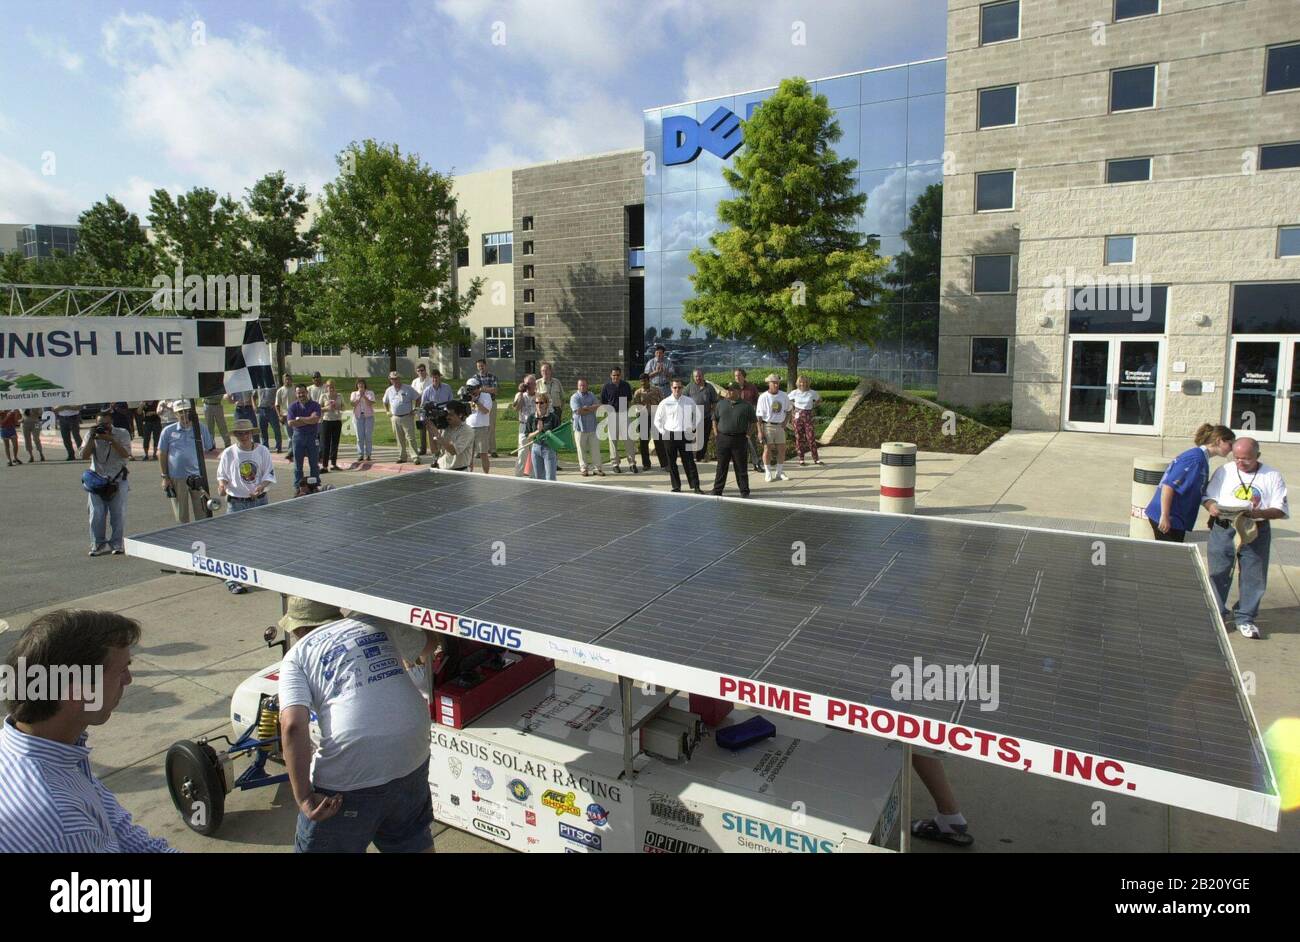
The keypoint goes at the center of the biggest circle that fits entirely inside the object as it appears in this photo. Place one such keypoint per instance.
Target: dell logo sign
(684, 137)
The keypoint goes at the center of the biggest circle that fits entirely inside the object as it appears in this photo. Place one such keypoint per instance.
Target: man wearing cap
(304, 417)
(400, 401)
(109, 449)
(480, 420)
(179, 463)
(732, 423)
(244, 472)
(1243, 538)
(774, 415)
(214, 417)
(368, 781)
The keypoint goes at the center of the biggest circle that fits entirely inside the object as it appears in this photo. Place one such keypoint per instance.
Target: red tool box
(456, 705)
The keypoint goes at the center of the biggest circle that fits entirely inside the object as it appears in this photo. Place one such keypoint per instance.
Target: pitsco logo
(483, 778)
(561, 803)
(491, 830)
(663, 844)
(519, 790)
(579, 836)
(466, 627)
(597, 815)
(219, 567)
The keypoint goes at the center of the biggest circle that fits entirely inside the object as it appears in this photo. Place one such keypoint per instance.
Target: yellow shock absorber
(268, 726)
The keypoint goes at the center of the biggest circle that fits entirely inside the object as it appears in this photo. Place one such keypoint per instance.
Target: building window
(530, 366)
(1288, 241)
(1269, 308)
(462, 257)
(1133, 89)
(1128, 170)
(1119, 250)
(530, 295)
(499, 343)
(1128, 9)
(1129, 307)
(997, 106)
(498, 248)
(1283, 70)
(465, 350)
(528, 248)
(988, 355)
(530, 319)
(318, 350)
(530, 342)
(991, 274)
(1279, 156)
(528, 224)
(999, 22)
(995, 190)
(529, 271)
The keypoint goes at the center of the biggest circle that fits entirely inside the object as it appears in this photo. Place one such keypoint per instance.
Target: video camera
(435, 413)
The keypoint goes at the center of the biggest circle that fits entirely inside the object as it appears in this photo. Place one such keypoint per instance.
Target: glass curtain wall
(892, 122)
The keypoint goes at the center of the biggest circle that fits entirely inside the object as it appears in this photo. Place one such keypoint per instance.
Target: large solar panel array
(1120, 656)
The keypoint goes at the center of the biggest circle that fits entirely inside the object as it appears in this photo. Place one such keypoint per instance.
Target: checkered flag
(233, 357)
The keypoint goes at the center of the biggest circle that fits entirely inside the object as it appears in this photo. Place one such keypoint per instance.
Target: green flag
(561, 438)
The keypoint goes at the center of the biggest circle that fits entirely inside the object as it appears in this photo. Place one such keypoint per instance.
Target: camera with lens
(103, 428)
(194, 482)
(436, 412)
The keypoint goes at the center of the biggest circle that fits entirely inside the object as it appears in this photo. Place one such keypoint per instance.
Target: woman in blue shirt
(1177, 500)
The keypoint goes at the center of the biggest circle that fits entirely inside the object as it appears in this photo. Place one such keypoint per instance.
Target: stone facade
(579, 264)
(1210, 117)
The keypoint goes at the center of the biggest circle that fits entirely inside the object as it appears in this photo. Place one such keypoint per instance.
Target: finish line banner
(59, 361)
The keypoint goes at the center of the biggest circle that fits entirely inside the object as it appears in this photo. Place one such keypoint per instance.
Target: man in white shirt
(773, 420)
(677, 418)
(244, 472)
(400, 400)
(373, 760)
(1243, 480)
(480, 420)
(284, 398)
(420, 384)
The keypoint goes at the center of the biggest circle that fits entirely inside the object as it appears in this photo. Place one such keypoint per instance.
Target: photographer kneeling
(179, 462)
(450, 438)
(108, 449)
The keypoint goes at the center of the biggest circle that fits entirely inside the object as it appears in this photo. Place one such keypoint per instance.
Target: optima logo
(684, 137)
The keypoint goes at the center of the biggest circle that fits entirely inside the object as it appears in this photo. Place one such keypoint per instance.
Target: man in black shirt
(617, 394)
(733, 422)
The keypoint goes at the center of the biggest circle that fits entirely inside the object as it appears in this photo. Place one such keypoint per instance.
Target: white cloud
(28, 196)
(55, 51)
(228, 110)
(326, 14)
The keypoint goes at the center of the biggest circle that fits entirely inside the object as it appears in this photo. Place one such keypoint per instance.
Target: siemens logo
(775, 836)
(466, 627)
(219, 567)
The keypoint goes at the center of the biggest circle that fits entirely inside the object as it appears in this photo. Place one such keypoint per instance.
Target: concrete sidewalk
(200, 642)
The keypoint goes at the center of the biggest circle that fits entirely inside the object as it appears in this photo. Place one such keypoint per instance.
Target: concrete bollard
(898, 477)
(1147, 473)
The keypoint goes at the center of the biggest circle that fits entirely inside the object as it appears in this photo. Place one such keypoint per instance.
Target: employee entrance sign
(53, 361)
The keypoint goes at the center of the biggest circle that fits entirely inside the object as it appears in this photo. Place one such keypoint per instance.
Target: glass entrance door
(1114, 385)
(1264, 402)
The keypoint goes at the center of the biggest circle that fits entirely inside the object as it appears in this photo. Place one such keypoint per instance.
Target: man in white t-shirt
(244, 472)
(373, 760)
(773, 419)
(453, 447)
(420, 384)
(480, 420)
(1243, 538)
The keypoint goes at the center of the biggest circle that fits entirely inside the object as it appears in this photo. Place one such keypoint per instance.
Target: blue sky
(120, 98)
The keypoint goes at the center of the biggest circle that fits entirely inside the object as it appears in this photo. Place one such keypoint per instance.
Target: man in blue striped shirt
(66, 672)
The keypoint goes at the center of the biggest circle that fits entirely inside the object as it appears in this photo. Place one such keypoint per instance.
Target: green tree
(388, 233)
(274, 212)
(914, 280)
(791, 268)
(112, 246)
(199, 231)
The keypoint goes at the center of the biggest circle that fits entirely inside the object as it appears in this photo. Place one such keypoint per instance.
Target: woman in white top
(805, 400)
(363, 412)
(331, 427)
